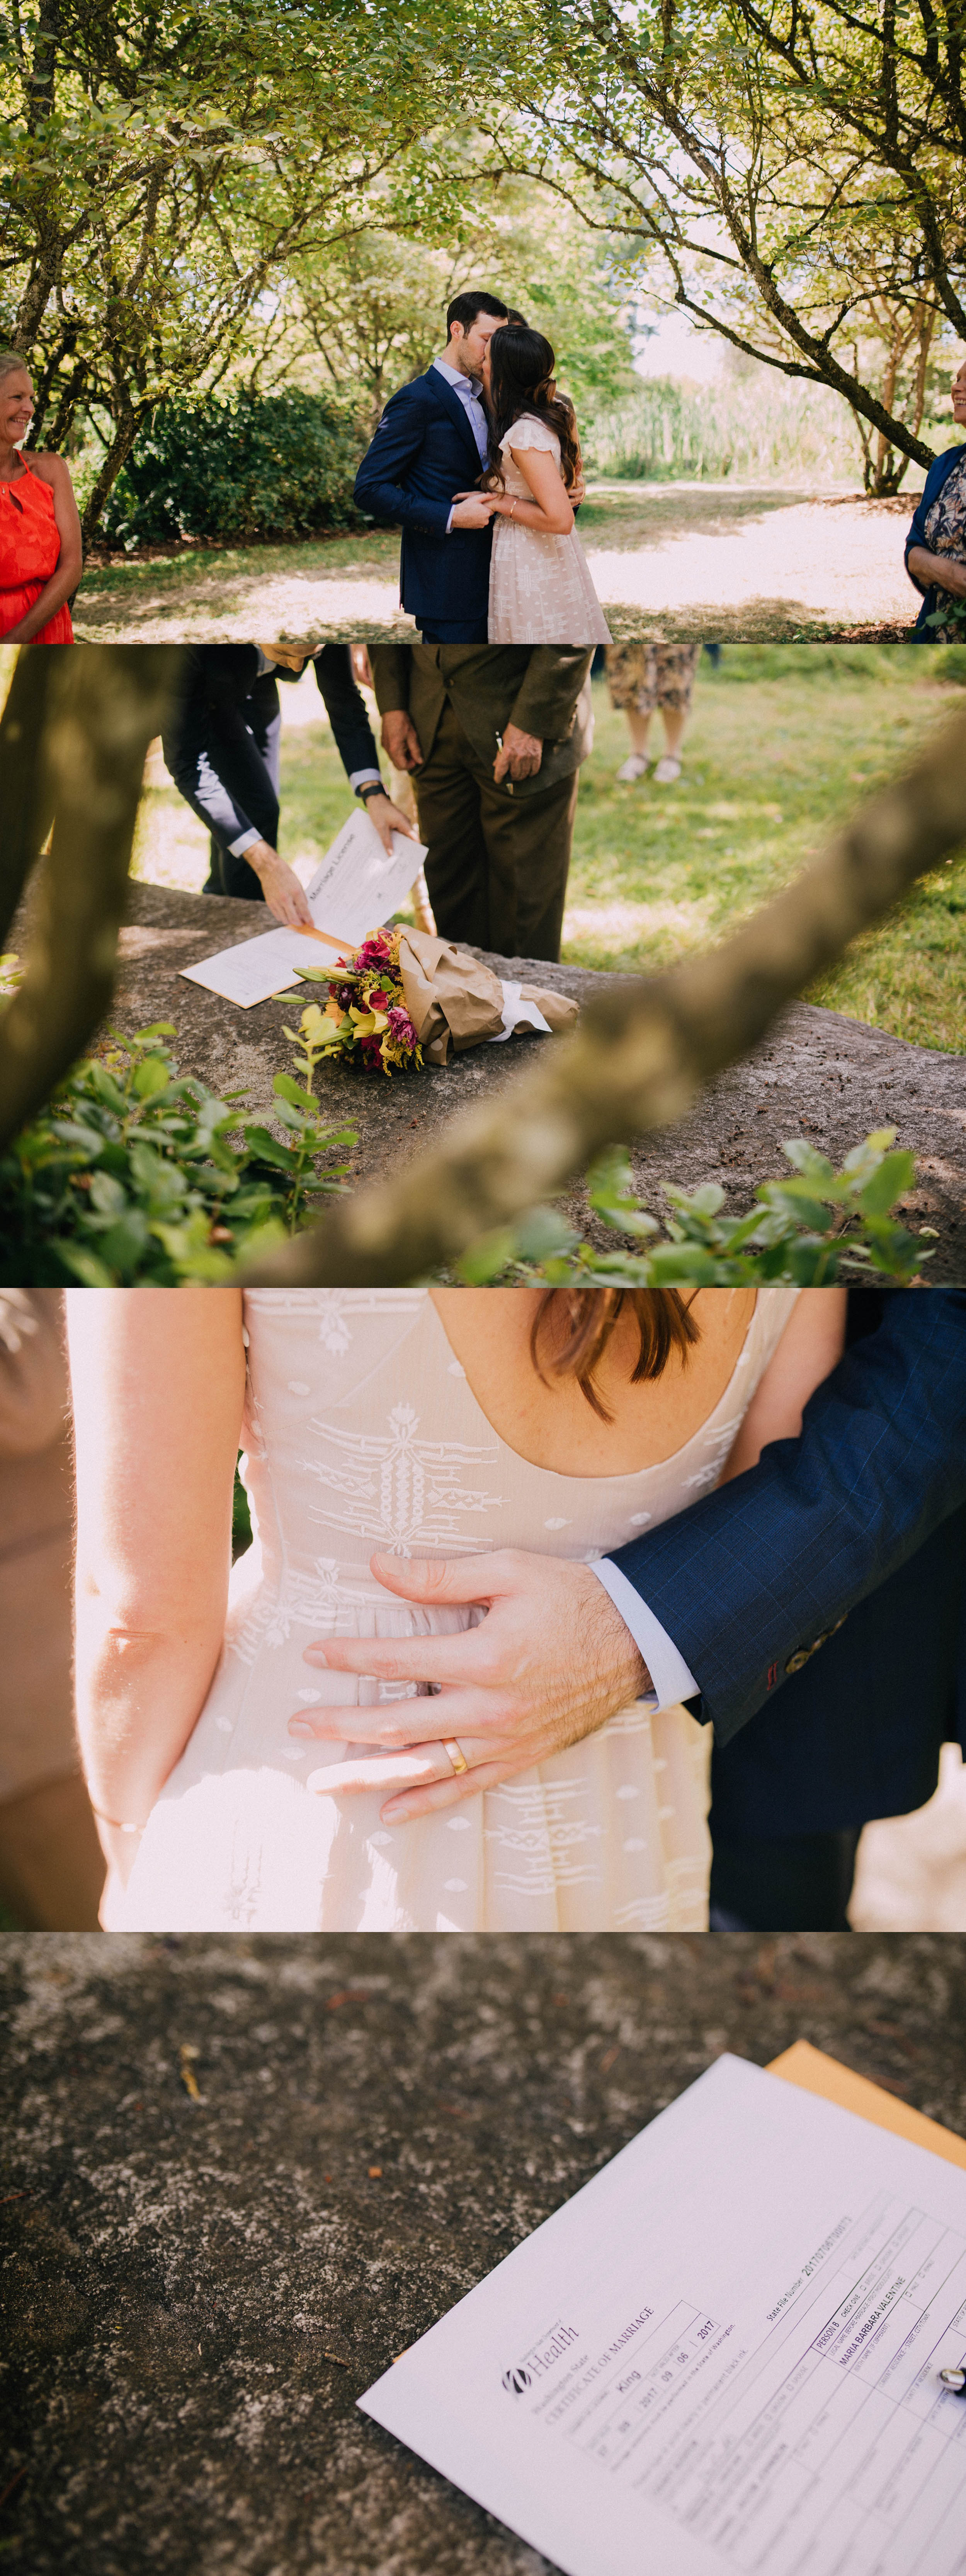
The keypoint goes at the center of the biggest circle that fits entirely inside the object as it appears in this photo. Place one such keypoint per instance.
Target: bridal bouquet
(366, 1014)
(410, 998)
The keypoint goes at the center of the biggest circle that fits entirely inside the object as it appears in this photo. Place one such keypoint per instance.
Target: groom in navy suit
(431, 443)
(813, 1611)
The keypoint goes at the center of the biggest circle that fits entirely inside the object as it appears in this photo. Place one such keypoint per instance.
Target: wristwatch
(370, 787)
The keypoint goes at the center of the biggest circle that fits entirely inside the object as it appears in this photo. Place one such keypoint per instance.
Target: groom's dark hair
(464, 308)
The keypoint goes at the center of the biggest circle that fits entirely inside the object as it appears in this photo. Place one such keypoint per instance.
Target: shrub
(251, 467)
(130, 1175)
(814, 1227)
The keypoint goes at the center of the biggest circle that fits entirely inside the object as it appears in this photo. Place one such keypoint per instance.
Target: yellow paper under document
(815, 2073)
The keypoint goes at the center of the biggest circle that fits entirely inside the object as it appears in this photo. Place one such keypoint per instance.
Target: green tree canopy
(165, 164)
(789, 174)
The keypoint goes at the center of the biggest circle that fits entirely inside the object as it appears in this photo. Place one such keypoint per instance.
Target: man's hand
(388, 819)
(472, 510)
(521, 755)
(549, 1663)
(284, 893)
(401, 740)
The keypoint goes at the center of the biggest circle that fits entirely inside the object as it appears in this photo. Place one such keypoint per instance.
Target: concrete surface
(818, 1074)
(197, 2291)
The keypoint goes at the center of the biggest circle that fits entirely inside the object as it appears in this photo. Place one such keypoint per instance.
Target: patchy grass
(784, 742)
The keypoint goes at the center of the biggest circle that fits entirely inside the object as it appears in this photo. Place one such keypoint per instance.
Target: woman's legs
(673, 683)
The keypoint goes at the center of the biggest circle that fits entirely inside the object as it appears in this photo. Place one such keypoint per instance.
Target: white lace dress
(362, 1433)
(541, 591)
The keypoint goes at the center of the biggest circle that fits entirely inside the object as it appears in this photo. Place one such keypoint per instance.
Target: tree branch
(639, 1058)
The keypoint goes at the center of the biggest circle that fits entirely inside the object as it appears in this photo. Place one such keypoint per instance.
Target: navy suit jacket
(819, 1600)
(423, 453)
(220, 694)
(939, 470)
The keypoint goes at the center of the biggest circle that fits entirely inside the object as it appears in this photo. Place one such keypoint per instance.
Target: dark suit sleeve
(380, 486)
(207, 720)
(345, 707)
(549, 691)
(751, 1579)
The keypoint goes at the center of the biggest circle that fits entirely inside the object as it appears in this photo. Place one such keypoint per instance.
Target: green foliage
(240, 469)
(241, 1519)
(812, 1228)
(756, 427)
(130, 1175)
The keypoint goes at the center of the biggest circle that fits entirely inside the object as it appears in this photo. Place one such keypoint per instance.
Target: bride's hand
(472, 509)
(550, 1663)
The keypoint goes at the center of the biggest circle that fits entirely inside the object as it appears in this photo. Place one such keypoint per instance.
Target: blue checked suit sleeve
(345, 707)
(394, 449)
(753, 1578)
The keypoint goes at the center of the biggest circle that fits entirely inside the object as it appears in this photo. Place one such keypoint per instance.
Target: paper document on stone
(722, 2354)
(355, 888)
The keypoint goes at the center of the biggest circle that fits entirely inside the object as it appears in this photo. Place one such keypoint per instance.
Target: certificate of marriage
(723, 2353)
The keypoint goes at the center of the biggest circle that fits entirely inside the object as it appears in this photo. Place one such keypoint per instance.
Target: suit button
(795, 1662)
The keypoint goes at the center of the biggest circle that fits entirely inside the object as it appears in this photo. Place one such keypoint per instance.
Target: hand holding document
(723, 2354)
(355, 888)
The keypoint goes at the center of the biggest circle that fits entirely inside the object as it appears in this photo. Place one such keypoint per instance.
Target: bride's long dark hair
(572, 1327)
(522, 381)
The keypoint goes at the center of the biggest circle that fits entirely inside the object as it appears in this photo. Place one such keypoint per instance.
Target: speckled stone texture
(195, 2292)
(818, 1074)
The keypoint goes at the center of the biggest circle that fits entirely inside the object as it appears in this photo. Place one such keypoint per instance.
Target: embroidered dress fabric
(946, 535)
(362, 1432)
(541, 591)
(29, 556)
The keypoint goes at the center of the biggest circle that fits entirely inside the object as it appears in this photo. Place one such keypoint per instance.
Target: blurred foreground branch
(639, 1058)
(73, 739)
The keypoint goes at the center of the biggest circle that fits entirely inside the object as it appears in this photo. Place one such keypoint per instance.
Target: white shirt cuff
(244, 842)
(361, 777)
(668, 1670)
(449, 522)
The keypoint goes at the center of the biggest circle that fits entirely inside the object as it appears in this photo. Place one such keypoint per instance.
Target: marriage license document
(723, 2353)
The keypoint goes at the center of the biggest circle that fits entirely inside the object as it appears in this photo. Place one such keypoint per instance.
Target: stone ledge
(817, 1074)
(197, 2292)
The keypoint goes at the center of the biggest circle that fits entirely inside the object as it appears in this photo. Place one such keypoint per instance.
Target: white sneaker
(633, 768)
(667, 771)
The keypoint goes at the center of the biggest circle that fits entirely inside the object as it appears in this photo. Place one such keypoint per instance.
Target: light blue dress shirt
(668, 1670)
(470, 394)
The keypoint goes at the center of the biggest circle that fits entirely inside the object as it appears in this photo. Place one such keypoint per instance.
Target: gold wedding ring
(454, 1754)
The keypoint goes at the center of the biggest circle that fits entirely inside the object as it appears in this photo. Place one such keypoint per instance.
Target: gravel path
(713, 560)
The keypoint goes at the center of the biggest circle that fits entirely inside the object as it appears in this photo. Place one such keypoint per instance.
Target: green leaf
(124, 1244)
(289, 1090)
(107, 1195)
(894, 1178)
(151, 1075)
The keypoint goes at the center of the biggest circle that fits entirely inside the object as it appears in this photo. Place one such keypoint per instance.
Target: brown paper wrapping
(455, 1002)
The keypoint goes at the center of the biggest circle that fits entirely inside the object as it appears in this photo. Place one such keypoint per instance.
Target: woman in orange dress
(40, 538)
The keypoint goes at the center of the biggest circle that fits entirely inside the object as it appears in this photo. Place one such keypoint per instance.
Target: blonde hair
(12, 363)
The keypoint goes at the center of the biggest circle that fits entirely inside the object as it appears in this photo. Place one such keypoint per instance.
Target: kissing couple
(478, 461)
(519, 1560)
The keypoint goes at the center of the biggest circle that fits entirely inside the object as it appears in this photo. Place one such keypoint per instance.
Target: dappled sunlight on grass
(784, 742)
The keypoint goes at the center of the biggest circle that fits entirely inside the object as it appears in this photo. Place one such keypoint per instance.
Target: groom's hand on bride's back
(551, 1661)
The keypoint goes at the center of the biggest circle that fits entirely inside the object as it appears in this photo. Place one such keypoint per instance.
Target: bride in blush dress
(234, 1774)
(541, 591)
